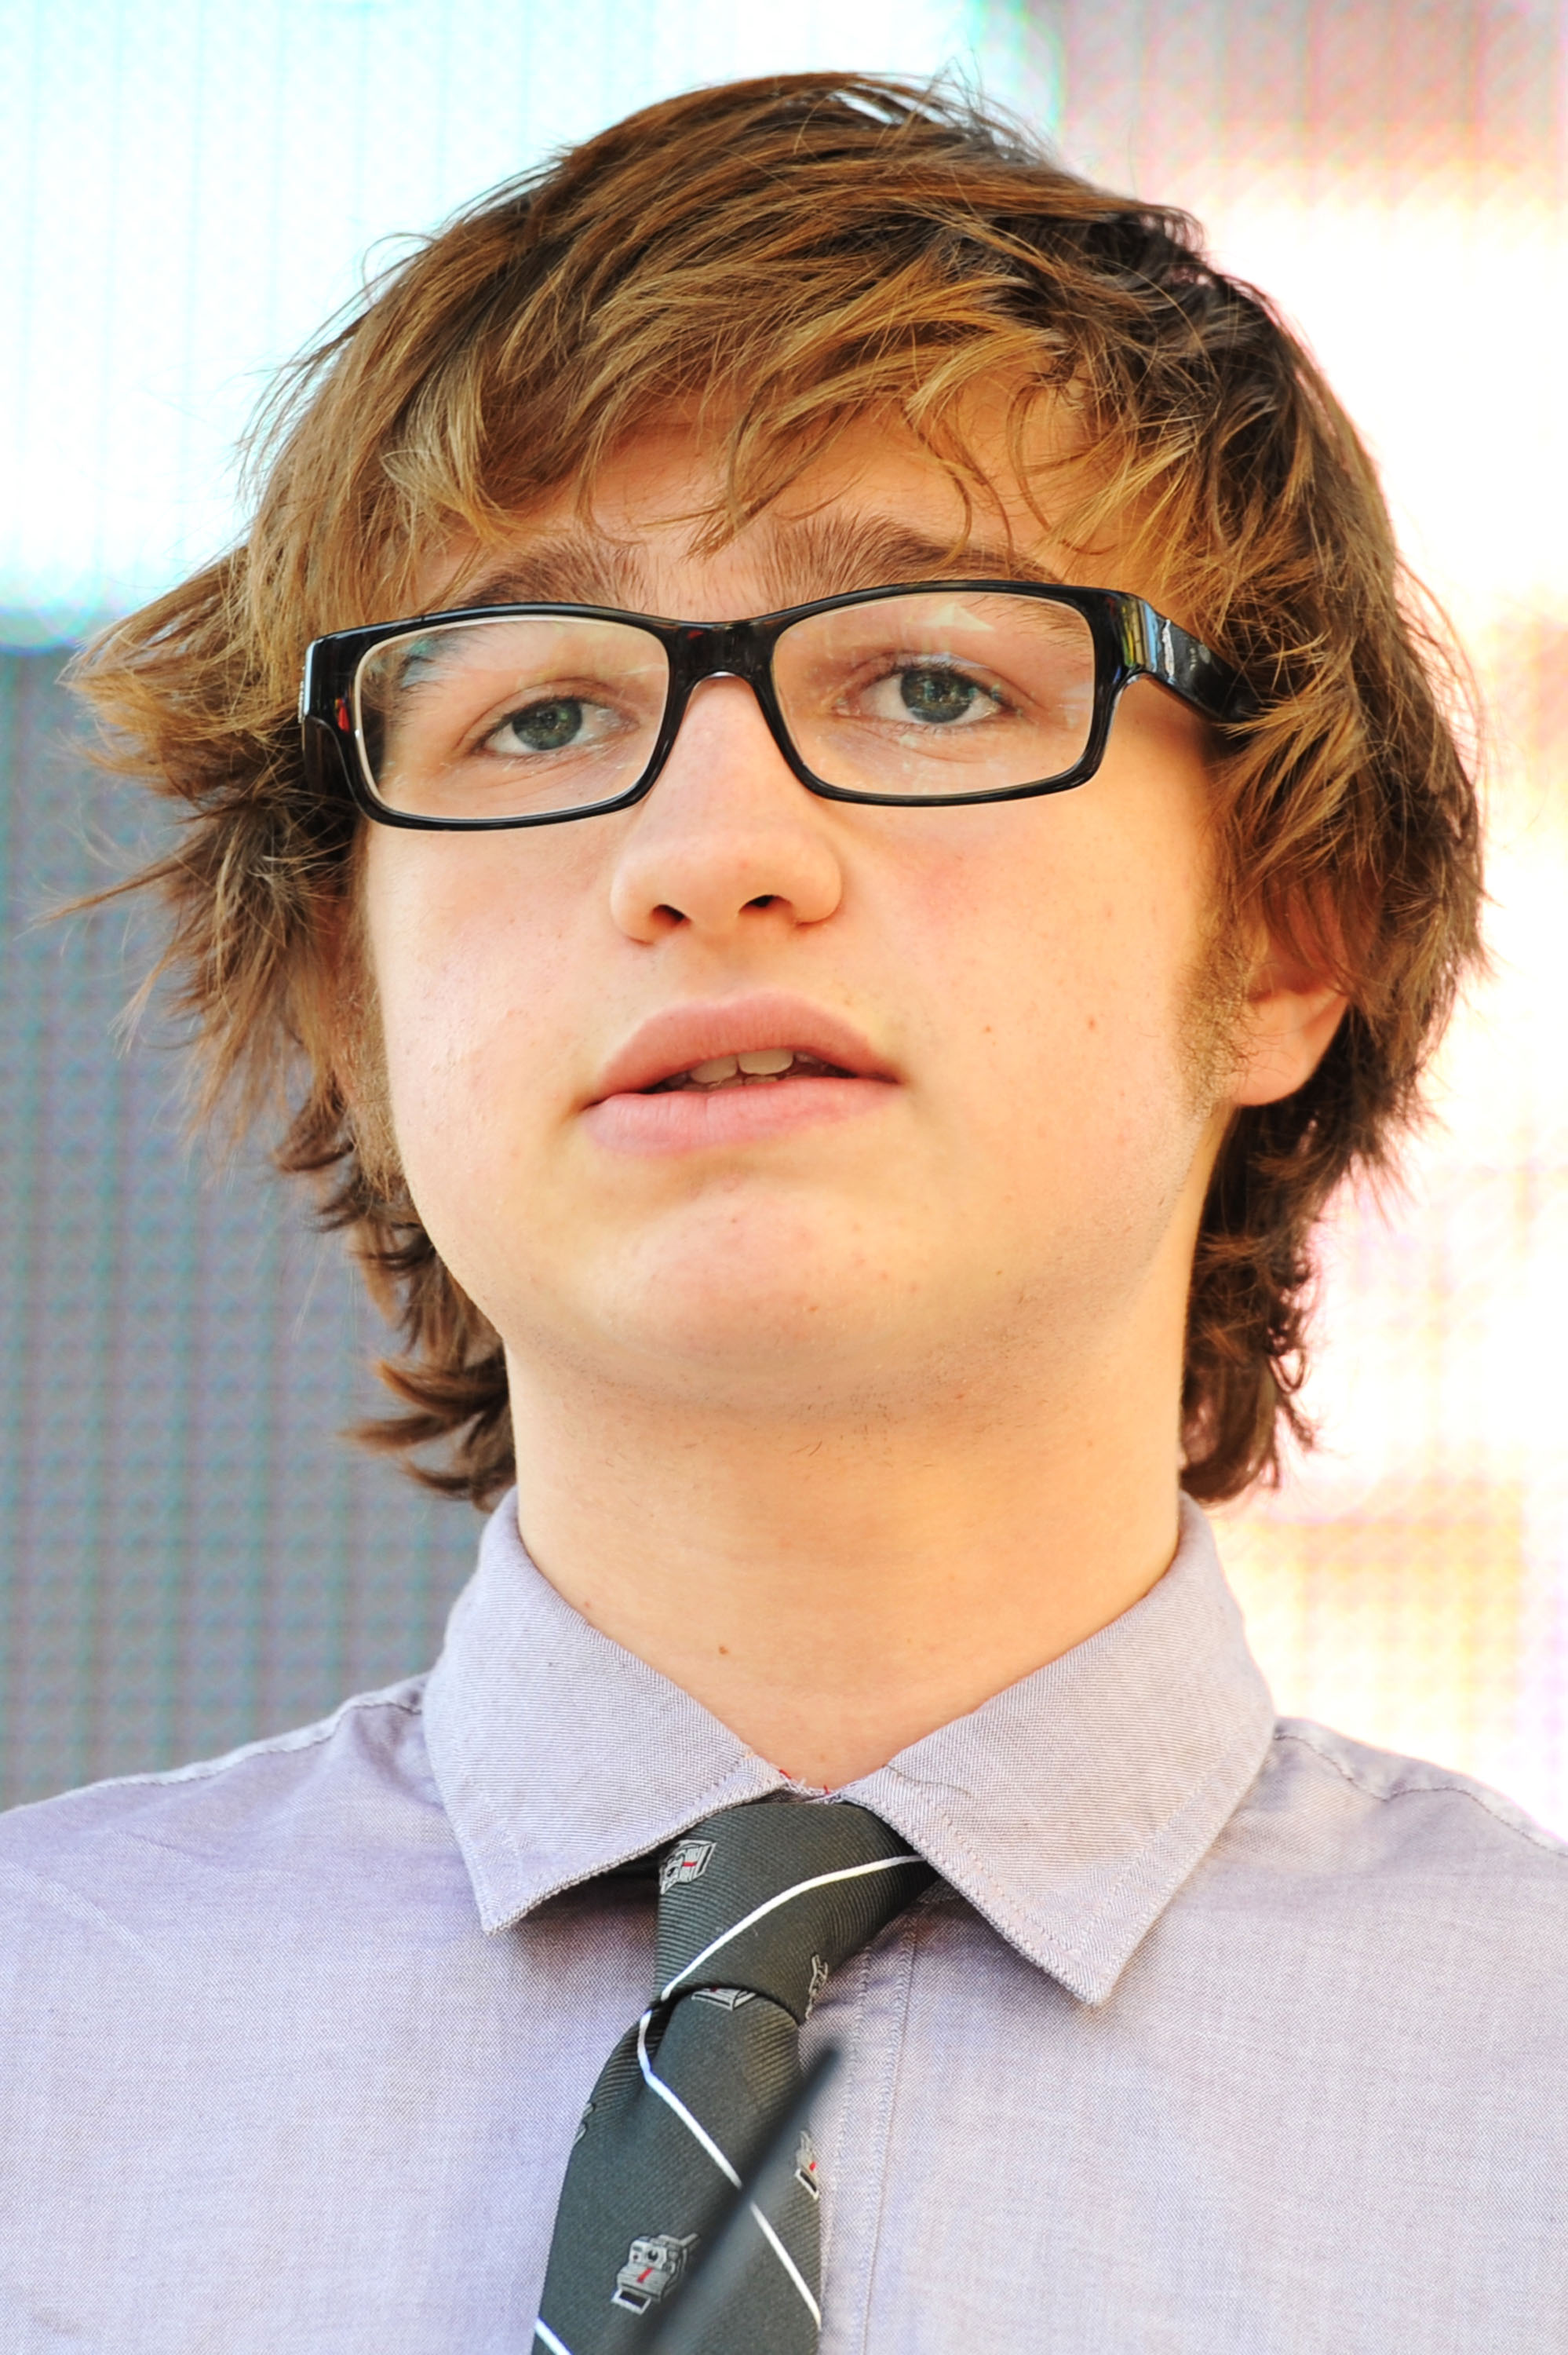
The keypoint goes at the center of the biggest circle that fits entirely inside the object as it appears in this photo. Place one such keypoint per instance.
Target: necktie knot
(769, 1899)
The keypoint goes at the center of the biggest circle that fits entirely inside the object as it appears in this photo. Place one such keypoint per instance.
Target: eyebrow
(828, 555)
(820, 556)
(570, 568)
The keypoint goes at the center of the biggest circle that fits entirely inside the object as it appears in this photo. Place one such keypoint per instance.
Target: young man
(836, 1084)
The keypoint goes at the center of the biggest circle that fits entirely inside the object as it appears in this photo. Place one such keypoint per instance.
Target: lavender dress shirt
(1214, 2033)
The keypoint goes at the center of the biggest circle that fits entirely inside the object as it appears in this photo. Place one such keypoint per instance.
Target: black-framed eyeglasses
(928, 693)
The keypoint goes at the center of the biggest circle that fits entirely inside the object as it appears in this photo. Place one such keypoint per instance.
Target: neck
(834, 1592)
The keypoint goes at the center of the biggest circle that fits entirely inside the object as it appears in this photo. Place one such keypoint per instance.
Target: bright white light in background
(189, 192)
(1438, 327)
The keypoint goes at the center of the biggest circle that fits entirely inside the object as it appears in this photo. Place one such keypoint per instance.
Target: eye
(941, 697)
(924, 694)
(547, 727)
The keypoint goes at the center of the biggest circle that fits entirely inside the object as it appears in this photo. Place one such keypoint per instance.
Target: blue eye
(547, 727)
(940, 696)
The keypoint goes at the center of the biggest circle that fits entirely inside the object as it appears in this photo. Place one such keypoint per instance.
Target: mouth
(757, 1041)
(758, 1067)
(735, 1073)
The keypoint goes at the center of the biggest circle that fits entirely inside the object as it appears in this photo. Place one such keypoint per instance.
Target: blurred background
(189, 1556)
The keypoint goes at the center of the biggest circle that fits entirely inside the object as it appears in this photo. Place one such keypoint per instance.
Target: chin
(762, 1324)
(758, 1336)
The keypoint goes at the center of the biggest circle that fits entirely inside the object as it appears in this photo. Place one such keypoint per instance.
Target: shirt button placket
(865, 2013)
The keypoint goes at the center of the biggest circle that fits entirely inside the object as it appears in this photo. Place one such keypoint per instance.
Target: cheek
(1062, 947)
(469, 950)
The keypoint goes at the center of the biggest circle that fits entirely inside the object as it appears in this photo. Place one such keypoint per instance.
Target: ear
(1291, 1013)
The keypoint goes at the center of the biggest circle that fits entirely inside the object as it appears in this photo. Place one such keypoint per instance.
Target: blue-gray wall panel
(189, 1554)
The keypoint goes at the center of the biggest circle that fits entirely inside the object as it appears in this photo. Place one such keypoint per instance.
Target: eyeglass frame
(1131, 640)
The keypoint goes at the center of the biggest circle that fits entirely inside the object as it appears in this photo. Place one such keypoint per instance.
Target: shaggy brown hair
(785, 256)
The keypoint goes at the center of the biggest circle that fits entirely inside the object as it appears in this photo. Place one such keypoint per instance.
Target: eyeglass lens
(934, 694)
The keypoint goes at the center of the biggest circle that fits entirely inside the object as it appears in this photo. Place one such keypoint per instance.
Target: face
(989, 1149)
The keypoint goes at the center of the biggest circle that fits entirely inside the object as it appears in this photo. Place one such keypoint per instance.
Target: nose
(729, 838)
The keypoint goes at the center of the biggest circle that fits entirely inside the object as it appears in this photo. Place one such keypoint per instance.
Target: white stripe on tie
(694, 2127)
(822, 1880)
(788, 2262)
(557, 2346)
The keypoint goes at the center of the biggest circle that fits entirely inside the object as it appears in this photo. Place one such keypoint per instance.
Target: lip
(623, 1116)
(671, 1041)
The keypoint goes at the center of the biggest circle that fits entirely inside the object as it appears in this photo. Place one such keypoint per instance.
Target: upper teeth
(758, 1063)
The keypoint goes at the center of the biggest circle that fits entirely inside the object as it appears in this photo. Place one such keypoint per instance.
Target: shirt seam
(299, 1739)
(1449, 1785)
(907, 1950)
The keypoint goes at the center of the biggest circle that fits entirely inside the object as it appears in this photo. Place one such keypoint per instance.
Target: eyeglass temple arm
(325, 742)
(1182, 662)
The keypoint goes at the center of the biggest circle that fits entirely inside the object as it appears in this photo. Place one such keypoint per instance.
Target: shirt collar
(1068, 1809)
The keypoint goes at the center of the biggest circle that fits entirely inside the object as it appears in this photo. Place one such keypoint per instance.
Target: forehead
(877, 506)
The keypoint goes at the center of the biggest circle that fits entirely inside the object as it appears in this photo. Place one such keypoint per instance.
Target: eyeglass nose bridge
(703, 650)
(720, 650)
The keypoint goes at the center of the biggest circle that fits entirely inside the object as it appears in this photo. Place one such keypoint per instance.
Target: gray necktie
(756, 1908)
